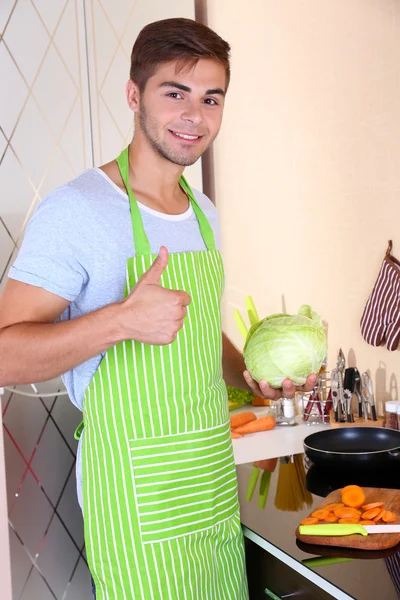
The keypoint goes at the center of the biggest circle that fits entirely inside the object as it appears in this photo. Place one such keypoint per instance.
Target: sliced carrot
(367, 507)
(353, 497)
(331, 518)
(331, 507)
(371, 514)
(388, 517)
(367, 523)
(242, 419)
(346, 513)
(320, 514)
(235, 435)
(378, 517)
(261, 424)
(349, 487)
(309, 521)
(349, 521)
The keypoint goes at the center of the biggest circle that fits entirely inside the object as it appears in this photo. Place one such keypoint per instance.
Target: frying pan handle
(395, 454)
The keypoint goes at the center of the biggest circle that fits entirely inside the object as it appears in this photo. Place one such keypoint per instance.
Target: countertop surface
(366, 576)
(286, 439)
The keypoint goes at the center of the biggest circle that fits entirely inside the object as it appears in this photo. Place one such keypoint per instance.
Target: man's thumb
(153, 275)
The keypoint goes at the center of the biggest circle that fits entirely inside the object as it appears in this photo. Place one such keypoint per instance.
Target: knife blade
(333, 529)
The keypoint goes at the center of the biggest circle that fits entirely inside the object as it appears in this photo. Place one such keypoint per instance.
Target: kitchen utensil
(339, 529)
(368, 395)
(313, 402)
(357, 391)
(380, 541)
(335, 393)
(328, 405)
(323, 561)
(358, 447)
(341, 367)
(251, 486)
(349, 385)
(266, 468)
(347, 394)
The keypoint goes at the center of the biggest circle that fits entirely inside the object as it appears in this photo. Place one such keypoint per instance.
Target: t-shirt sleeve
(56, 250)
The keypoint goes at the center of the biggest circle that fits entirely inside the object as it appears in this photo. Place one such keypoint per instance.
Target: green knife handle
(271, 594)
(264, 488)
(252, 483)
(322, 561)
(332, 529)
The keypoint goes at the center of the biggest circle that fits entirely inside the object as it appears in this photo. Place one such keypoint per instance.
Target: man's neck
(154, 181)
(151, 173)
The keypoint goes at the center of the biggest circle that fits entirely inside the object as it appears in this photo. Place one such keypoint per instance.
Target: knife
(337, 529)
(368, 393)
(349, 385)
(335, 393)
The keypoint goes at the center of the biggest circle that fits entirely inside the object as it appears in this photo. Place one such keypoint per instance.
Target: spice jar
(391, 414)
(288, 415)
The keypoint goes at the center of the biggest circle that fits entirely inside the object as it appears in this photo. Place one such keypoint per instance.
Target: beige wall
(308, 161)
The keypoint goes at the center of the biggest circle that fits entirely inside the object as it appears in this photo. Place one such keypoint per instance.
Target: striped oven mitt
(380, 322)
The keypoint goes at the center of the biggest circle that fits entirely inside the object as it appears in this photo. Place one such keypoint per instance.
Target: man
(117, 287)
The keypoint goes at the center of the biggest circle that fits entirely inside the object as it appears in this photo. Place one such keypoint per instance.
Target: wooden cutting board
(377, 541)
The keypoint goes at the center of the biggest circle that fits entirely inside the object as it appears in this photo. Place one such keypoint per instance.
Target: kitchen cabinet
(270, 577)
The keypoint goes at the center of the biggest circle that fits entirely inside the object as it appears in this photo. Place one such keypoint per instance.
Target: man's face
(180, 114)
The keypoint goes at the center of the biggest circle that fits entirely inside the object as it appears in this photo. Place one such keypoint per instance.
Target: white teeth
(187, 137)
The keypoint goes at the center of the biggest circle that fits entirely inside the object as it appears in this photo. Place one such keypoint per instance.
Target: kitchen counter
(361, 574)
(280, 441)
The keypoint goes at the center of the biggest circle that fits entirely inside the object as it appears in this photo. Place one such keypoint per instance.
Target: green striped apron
(161, 507)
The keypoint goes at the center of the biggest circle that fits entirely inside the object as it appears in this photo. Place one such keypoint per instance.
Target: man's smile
(189, 138)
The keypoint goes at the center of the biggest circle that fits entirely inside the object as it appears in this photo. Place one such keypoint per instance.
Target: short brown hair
(181, 40)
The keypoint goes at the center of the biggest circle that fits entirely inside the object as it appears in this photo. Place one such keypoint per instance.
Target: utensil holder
(315, 406)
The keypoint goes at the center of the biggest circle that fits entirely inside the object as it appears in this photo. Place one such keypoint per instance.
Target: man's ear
(132, 95)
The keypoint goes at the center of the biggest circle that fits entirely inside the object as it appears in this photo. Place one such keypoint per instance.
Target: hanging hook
(389, 248)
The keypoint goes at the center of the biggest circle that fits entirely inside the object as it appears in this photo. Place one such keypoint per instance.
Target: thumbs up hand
(153, 314)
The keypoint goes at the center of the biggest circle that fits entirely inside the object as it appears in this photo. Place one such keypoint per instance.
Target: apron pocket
(184, 483)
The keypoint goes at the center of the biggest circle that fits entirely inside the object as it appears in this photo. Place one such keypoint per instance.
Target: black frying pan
(353, 447)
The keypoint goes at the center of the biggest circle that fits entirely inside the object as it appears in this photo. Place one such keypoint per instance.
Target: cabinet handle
(271, 594)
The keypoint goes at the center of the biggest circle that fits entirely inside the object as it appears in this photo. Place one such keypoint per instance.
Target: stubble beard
(148, 126)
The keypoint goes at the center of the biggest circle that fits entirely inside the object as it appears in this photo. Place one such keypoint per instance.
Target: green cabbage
(286, 346)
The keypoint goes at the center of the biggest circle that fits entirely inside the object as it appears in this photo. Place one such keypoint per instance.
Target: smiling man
(117, 288)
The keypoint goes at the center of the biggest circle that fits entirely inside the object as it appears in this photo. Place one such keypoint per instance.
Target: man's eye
(211, 102)
(174, 95)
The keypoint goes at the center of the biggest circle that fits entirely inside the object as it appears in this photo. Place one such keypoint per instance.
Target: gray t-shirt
(77, 243)
(76, 246)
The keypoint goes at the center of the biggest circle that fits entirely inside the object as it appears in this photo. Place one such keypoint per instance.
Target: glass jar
(287, 413)
(391, 417)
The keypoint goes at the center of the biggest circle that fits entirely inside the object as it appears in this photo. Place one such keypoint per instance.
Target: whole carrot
(262, 424)
(242, 419)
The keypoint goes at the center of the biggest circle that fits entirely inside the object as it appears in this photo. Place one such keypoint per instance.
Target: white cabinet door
(112, 27)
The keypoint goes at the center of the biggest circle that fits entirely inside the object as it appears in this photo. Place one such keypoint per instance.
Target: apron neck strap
(142, 244)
